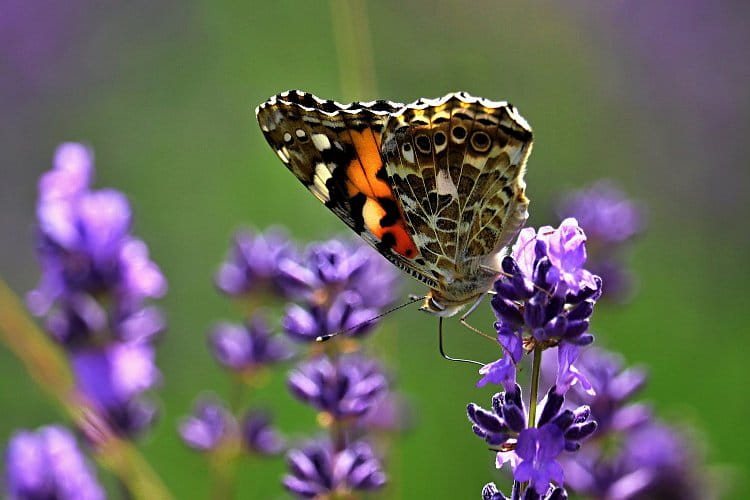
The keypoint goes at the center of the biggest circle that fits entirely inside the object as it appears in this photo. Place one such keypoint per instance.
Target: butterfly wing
(334, 150)
(457, 164)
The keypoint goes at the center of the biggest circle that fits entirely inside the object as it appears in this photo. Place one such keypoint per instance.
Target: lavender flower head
(86, 250)
(208, 426)
(545, 299)
(341, 287)
(319, 471)
(349, 386)
(532, 452)
(114, 379)
(245, 348)
(259, 436)
(253, 264)
(611, 221)
(47, 464)
(630, 455)
(604, 211)
(614, 386)
(96, 279)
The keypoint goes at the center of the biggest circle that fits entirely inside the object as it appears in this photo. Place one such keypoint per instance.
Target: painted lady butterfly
(435, 186)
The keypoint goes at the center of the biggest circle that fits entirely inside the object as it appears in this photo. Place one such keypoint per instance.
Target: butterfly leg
(442, 349)
(474, 329)
(465, 315)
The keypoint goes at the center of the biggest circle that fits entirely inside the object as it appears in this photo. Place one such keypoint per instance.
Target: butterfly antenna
(329, 336)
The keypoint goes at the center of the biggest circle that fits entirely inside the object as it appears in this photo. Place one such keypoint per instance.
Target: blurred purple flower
(650, 461)
(319, 471)
(348, 387)
(333, 267)
(346, 314)
(248, 346)
(85, 244)
(531, 451)
(604, 211)
(259, 436)
(95, 274)
(611, 221)
(113, 378)
(47, 464)
(630, 455)
(252, 265)
(614, 386)
(208, 425)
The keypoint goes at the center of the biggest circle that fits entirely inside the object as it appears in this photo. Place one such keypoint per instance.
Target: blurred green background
(653, 96)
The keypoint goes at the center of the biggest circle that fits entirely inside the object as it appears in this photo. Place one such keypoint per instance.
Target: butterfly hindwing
(457, 165)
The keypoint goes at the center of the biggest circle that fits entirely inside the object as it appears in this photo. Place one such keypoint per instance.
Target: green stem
(354, 49)
(537, 363)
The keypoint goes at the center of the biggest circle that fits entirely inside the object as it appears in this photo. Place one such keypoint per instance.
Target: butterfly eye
(480, 141)
(423, 144)
(459, 133)
(301, 135)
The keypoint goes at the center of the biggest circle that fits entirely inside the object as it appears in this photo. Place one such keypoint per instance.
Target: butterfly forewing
(334, 150)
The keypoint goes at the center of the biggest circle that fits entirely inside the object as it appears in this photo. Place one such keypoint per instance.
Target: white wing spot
(321, 142)
(321, 176)
(287, 137)
(282, 153)
(444, 184)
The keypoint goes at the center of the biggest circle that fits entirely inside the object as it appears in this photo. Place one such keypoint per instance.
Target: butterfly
(435, 186)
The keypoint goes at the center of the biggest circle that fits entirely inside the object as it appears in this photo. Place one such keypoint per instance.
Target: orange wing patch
(381, 213)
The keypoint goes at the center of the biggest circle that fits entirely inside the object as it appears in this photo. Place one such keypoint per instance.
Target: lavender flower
(332, 267)
(208, 426)
(114, 378)
(347, 387)
(490, 492)
(630, 455)
(247, 347)
(604, 211)
(252, 265)
(96, 279)
(85, 246)
(547, 293)
(259, 436)
(614, 386)
(610, 220)
(341, 287)
(319, 471)
(650, 461)
(346, 314)
(47, 464)
(532, 451)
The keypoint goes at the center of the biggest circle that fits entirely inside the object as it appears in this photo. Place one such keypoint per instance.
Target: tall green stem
(354, 49)
(537, 363)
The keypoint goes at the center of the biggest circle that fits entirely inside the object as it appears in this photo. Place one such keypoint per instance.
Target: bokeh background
(651, 94)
